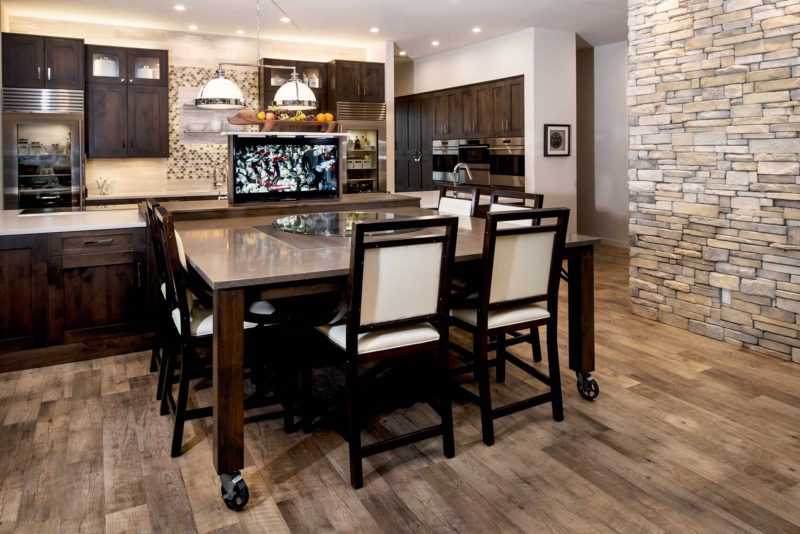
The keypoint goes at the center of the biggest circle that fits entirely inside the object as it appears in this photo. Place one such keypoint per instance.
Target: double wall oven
(498, 161)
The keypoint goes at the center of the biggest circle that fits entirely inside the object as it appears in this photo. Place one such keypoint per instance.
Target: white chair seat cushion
(202, 321)
(503, 317)
(393, 338)
(261, 307)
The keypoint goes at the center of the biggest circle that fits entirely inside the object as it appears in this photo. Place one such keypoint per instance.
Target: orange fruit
(329, 116)
(262, 115)
(320, 117)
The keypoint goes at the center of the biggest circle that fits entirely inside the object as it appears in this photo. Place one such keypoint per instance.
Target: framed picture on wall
(556, 139)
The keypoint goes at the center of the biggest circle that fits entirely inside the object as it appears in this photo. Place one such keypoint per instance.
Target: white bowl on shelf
(196, 127)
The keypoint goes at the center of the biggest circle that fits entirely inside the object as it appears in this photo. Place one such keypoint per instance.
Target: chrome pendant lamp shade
(294, 95)
(220, 93)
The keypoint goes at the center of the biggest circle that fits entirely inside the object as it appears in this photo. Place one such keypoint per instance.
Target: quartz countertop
(163, 194)
(11, 223)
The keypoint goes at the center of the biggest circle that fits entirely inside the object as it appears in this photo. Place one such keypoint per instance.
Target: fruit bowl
(265, 125)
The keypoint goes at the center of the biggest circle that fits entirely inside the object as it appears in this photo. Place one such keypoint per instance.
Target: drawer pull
(104, 241)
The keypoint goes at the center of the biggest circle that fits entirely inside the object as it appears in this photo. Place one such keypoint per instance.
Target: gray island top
(11, 223)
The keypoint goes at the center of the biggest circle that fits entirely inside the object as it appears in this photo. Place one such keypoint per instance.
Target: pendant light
(221, 93)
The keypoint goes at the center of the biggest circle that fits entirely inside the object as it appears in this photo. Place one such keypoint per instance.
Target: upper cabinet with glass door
(114, 65)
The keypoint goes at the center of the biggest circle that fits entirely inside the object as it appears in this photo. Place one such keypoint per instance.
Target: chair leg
(536, 345)
(500, 355)
(307, 399)
(353, 427)
(448, 440)
(165, 378)
(180, 405)
(482, 370)
(555, 372)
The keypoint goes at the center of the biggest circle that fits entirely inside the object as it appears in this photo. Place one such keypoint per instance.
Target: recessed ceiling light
(192, 26)
(374, 30)
(285, 19)
(476, 29)
(240, 32)
(434, 43)
(180, 7)
(402, 52)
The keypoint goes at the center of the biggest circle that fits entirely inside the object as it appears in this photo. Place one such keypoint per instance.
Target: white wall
(609, 218)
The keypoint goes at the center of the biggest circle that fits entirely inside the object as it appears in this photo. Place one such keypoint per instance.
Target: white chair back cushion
(455, 206)
(400, 282)
(505, 208)
(521, 266)
(190, 298)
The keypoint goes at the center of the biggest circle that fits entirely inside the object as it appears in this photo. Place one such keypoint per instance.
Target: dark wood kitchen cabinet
(127, 116)
(39, 62)
(447, 115)
(97, 284)
(356, 81)
(313, 73)
(508, 108)
(413, 143)
(23, 292)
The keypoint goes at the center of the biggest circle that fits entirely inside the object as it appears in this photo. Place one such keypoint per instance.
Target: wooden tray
(248, 118)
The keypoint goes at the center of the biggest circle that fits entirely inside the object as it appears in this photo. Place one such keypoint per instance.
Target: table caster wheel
(234, 491)
(587, 386)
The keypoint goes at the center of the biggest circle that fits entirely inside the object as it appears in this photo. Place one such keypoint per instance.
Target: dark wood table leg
(580, 266)
(229, 395)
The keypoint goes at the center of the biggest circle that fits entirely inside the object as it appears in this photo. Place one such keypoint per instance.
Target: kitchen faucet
(457, 168)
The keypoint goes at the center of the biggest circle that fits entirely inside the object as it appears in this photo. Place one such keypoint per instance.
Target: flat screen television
(273, 167)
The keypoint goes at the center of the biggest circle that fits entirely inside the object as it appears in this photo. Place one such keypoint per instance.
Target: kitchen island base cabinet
(72, 296)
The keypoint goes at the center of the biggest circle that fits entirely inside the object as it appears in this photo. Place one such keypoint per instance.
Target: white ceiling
(412, 24)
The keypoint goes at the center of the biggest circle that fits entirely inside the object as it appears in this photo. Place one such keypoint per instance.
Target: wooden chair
(522, 257)
(398, 293)
(460, 200)
(160, 324)
(192, 325)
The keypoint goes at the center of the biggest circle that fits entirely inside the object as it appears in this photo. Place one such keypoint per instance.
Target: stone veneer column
(714, 114)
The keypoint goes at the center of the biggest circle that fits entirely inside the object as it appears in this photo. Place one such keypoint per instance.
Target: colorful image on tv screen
(266, 168)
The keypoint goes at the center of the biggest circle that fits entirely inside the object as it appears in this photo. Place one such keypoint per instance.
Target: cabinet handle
(98, 242)
(130, 81)
(132, 147)
(122, 80)
(38, 73)
(49, 74)
(139, 274)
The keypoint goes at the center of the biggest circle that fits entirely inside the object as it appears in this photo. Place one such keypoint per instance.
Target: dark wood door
(372, 82)
(401, 173)
(106, 121)
(516, 107)
(23, 292)
(484, 111)
(148, 121)
(441, 115)
(106, 64)
(95, 294)
(468, 111)
(401, 133)
(347, 74)
(426, 173)
(147, 67)
(426, 126)
(64, 60)
(499, 108)
(23, 61)
(454, 126)
(414, 128)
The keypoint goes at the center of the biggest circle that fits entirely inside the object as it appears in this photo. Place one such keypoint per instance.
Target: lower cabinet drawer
(97, 241)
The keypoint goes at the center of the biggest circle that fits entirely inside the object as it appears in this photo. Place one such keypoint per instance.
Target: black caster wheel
(587, 386)
(234, 491)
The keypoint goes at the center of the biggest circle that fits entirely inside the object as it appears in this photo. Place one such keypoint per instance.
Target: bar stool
(459, 200)
(521, 268)
(398, 291)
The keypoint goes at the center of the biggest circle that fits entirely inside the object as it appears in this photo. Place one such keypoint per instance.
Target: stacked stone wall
(714, 176)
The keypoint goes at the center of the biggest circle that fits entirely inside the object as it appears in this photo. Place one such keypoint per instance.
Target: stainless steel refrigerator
(364, 161)
(43, 157)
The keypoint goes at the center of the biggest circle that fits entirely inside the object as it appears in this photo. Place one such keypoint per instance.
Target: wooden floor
(688, 435)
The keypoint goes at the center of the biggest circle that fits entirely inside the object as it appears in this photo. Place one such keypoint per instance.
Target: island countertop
(11, 223)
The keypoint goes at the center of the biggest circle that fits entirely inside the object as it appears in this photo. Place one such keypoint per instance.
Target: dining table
(244, 259)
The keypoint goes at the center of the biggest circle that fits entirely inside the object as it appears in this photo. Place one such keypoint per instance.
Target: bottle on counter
(357, 145)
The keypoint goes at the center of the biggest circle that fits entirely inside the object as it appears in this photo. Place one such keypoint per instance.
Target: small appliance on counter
(43, 159)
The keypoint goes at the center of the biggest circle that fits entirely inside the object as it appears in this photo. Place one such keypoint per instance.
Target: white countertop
(163, 194)
(11, 223)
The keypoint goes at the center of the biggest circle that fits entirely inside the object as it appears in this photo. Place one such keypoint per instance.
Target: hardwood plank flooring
(688, 435)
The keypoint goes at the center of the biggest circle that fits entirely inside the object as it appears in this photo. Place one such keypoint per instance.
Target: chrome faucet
(457, 168)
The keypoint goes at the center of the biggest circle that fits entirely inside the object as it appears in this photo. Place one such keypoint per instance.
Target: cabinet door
(106, 64)
(441, 115)
(64, 61)
(401, 174)
(23, 291)
(147, 121)
(426, 126)
(106, 121)
(95, 294)
(414, 174)
(23, 60)
(401, 147)
(516, 108)
(499, 107)
(454, 130)
(347, 75)
(372, 82)
(414, 132)
(426, 173)
(468, 111)
(147, 67)
(484, 111)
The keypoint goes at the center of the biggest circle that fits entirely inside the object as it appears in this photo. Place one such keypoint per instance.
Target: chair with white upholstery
(192, 324)
(459, 200)
(522, 255)
(398, 292)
